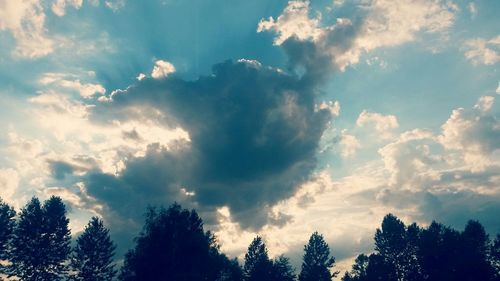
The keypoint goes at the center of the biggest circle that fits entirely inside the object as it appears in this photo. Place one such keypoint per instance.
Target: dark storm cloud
(254, 132)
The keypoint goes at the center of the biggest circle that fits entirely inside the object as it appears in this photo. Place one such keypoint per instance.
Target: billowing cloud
(253, 134)
(59, 6)
(473, 134)
(161, 69)
(26, 20)
(66, 81)
(349, 144)
(483, 51)
(384, 24)
(382, 124)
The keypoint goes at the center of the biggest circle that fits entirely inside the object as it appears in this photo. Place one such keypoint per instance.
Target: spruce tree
(257, 266)
(41, 243)
(282, 270)
(92, 258)
(317, 263)
(7, 223)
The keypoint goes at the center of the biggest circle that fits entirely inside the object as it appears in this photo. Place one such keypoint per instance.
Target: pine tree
(41, 243)
(92, 258)
(317, 263)
(7, 223)
(258, 266)
(282, 270)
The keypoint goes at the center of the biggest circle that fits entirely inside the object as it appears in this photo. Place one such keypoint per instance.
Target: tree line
(35, 245)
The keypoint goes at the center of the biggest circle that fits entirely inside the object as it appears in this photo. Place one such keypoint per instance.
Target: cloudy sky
(276, 118)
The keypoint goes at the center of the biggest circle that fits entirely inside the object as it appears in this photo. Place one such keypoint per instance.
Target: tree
(41, 243)
(258, 266)
(282, 270)
(358, 272)
(92, 258)
(473, 256)
(172, 246)
(494, 257)
(7, 224)
(317, 263)
(390, 243)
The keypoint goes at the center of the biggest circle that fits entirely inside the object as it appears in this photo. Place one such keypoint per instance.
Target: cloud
(349, 144)
(25, 20)
(86, 90)
(483, 51)
(59, 6)
(382, 24)
(383, 124)
(162, 69)
(473, 134)
(472, 9)
(253, 135)
(9, 182)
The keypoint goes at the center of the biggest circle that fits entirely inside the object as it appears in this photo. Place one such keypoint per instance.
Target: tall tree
(390, 243)
(359, 268)
(257, 266)
(172, 246)
(494, 257)
(41, 243)
(473, 256)
(92, 258)
(282, 270)
(7, 223)
(317, 263)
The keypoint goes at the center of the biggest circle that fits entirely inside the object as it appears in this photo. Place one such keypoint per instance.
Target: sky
(272, 118)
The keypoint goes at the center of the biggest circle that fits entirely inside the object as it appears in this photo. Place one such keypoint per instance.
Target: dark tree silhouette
(41, 244)
(173, 246)
(231, 270)
(257, 266)
(358, 272)
(494, 257)
(391, 245)
(282, 270)
(473, 256)
(317, 263)
(92, 258)
(7, 223)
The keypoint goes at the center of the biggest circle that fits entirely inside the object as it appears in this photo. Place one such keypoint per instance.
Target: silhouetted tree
(391, 244)
(257, 266)
(92, 258)
(7, 223)
(317, 263)
(172, 246)
(358, 272)
(494, 257)
(231, 270)
(473, 256)
(41, 244)
(282, 270)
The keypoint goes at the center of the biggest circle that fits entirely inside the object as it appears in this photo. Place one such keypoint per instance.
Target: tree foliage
(317, 262)
(92, 258)
(173, 246)
(7, 223)
(41, 243)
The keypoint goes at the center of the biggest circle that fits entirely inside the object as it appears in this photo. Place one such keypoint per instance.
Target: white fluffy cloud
(9, 181)
(387, 24)
(473, 134)
(349, 145)
(483, 51)
(25, 20)
(162, 69)
(59, 6)
(70, 82)
(383, 124)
